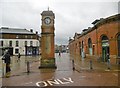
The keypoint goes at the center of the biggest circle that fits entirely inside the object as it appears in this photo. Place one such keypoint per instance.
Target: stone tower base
(48, 63)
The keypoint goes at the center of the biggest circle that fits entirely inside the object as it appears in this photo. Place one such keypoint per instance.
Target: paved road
(62, 76)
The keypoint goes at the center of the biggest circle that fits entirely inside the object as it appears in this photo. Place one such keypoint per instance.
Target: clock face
(47, 20)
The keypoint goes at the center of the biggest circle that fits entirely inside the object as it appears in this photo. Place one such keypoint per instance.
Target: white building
(19, 41)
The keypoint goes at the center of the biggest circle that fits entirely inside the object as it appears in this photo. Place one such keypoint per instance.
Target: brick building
(98, 41)
(19, 41)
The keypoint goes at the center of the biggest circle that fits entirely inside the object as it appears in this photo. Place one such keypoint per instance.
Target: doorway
(105, 48)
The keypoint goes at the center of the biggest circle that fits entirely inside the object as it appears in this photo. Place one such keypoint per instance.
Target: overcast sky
(70, 15)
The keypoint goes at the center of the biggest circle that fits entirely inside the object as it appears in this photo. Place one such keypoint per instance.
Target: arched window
(82, 44)
(89, 43)
(80, 47)
(104, 38)
(118, 39)
(105, 41)
(82, 50)
(90, 46)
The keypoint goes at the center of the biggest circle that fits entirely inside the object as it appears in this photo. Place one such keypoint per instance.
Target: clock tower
(47, 40)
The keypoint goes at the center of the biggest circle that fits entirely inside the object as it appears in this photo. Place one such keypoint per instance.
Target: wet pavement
(63, 75)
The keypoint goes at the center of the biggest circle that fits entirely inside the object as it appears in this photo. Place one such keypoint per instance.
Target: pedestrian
(7, 60)
(108, 60)
(73, 64)
(19, 56)
(59, 53)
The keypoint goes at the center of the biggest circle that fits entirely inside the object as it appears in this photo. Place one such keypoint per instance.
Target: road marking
(107, 70)
(115, 74)
(82, 77)
(29, 83)
(117, 70)
(99, 75)
(112, 70)
(54, 82)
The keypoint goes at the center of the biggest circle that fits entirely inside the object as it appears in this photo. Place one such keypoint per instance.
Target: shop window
(16, 51)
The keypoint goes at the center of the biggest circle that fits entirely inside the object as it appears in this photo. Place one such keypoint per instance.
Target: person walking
(108, 60)
(19, 56)
(7, 60)
(59, 53)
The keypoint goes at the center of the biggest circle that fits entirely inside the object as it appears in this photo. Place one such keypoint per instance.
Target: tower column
(47, 40)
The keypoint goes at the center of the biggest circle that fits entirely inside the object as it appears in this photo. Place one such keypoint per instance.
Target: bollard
(3, 69)
(108, 63)
(28, 67)
(91, 64)
(73, 65)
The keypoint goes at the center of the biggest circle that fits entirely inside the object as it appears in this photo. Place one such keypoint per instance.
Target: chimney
(31, 30)
(36, 32)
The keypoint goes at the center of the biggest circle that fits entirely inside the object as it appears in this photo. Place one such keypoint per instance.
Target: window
(16, 51)
(1, 43)
(90, 46)
(118, 39)
(25, 43)
(26, 36)
(10, 43)
(89, 43)
(82, 44)
(105, 41)
(105, 48)
(37, 43)
(31, 43)
(17, 36)
(31, 37)
(17, 43)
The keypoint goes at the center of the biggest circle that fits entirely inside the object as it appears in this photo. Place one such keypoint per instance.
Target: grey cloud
(70, 16)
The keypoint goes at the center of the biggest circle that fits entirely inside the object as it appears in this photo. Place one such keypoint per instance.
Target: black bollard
(91, 64)
(73, 65)
(28, 67)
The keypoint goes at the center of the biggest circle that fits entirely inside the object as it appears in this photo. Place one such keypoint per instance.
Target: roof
(47, 13)
(97, 23)
(15, 30)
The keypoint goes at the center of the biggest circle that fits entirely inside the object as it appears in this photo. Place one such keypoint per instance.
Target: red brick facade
(97, 41)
